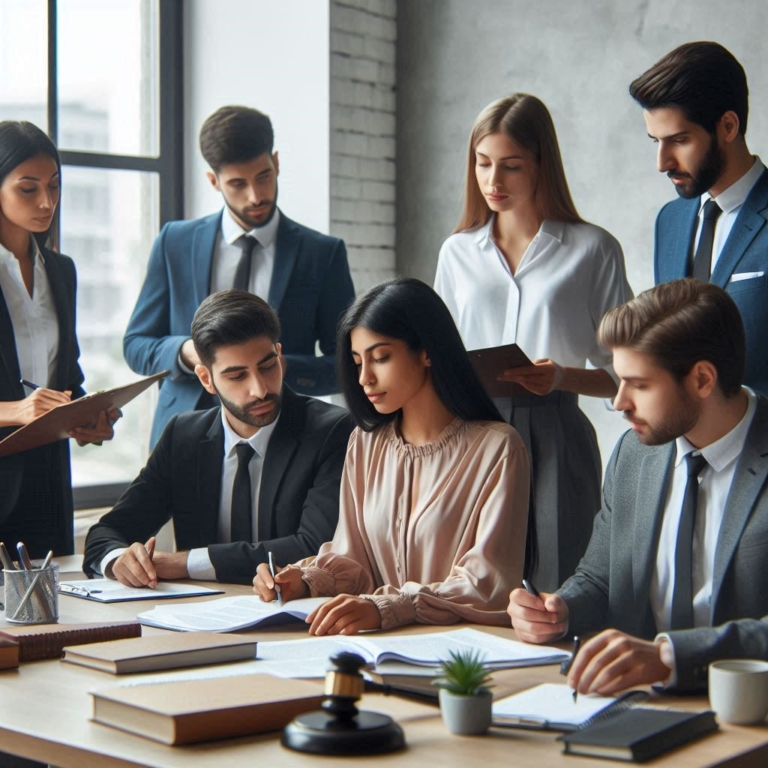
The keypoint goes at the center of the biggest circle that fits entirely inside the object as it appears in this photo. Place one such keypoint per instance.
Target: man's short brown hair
(678, 324)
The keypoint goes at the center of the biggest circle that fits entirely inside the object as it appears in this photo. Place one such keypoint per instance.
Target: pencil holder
(32, 597)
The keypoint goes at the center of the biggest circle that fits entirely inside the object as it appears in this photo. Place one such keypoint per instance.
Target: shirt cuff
(183, 366)
(105, 566)
(199, 565)
(667, 654)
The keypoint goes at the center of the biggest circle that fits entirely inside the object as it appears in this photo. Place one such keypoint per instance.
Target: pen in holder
(31, 597)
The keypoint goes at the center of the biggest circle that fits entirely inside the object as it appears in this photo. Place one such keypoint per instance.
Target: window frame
(168, 165)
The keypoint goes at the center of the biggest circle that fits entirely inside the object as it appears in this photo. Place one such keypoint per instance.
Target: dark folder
(58, 422)
(492, 361)
(639, 734)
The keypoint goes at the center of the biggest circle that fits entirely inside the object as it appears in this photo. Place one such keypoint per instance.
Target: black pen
(30, 384)
(565, 667)
(530, 589)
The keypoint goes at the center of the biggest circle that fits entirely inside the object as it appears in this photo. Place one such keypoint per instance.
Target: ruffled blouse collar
(445, 438)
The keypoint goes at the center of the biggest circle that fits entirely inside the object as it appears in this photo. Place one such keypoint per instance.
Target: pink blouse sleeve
(355, 572)
(483, 573)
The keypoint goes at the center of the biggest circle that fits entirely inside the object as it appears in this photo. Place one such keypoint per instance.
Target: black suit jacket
(36, 486)
(298, 497)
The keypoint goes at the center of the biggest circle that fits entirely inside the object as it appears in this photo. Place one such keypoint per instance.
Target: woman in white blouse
(38, 348)
(523, 267)
(434, 496)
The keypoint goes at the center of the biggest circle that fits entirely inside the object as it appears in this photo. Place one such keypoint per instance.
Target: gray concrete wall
(579, 57)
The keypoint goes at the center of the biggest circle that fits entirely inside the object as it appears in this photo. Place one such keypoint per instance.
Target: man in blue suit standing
(250, 245)
(696, 102)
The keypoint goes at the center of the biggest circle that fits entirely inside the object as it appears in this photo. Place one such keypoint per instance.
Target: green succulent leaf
(464, 674)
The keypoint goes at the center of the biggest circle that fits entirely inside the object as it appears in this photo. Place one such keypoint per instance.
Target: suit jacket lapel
(282, 446)
(651, 494)
(749, 222)
(203, 245)
(64, 314)
(286, 252)
(8, 354)
(748, 481)
(210, 455)
(677, 260)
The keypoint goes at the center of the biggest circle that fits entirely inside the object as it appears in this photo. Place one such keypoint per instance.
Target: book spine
(50, 644)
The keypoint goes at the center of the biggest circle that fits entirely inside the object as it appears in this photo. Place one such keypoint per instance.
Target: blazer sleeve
(236, 562)
(148, 345)
(587, 591)
(142, 510)
(316, 375)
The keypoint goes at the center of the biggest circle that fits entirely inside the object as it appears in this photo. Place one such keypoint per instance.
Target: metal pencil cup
(32, 597)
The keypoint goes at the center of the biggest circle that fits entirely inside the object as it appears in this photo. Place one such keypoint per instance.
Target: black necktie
(243, 272)
(242, 529)
(682, 597)
(702, 261)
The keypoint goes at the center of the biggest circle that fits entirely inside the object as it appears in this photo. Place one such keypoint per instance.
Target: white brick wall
(362, 68)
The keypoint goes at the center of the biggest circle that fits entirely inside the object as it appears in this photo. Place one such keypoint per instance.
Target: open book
(551, 707)
(228, 614)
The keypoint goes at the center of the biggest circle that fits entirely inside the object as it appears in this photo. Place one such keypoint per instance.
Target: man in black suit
(260, 473)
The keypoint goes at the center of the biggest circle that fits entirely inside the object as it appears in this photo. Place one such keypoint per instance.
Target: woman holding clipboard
(523, 267)
(37, 344)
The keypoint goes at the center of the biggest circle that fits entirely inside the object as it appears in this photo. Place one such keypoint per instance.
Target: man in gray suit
(676, 563)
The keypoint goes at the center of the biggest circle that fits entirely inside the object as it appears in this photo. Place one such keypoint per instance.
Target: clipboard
(490, 362)
(58, 422)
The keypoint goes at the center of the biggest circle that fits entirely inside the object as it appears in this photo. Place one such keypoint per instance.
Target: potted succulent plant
(465, 696)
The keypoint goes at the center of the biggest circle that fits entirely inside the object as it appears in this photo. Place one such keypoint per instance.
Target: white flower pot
(466, 715)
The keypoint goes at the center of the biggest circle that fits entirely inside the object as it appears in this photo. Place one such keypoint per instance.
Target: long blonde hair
(525, 120)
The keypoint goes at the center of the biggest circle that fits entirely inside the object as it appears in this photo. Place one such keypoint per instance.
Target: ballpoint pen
(30, 384)
(42, 601)
(5, 557)
(277, 586)
(565, 667)
(530, 589)
(24, 560)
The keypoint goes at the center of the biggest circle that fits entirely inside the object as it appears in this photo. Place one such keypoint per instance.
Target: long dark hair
(409, 310)
(19, 142)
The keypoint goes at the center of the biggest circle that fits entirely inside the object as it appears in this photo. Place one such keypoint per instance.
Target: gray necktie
(702, 261)
(243, 272)
(682, 597)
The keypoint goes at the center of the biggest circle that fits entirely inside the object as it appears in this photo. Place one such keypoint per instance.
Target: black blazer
(298, 497)
(36, 486)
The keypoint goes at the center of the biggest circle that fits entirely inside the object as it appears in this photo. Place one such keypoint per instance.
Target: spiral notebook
(550, 707)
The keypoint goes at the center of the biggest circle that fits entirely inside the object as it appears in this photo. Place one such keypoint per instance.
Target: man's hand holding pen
(539, 618)
(141, 566)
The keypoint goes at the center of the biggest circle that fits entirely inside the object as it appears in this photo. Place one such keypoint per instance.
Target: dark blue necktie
(243, 272)
(242, 511)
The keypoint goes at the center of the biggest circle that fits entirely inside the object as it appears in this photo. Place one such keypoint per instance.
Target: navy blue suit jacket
(745, 251)
(311, 288)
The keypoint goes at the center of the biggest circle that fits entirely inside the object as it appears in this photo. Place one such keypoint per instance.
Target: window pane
(108, 223)
(24, 60)
(108, 83)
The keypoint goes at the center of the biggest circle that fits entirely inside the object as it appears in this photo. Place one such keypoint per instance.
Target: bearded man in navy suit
(696, 103)
(250, 245)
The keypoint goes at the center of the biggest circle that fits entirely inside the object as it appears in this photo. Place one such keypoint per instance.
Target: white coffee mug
(738, 690)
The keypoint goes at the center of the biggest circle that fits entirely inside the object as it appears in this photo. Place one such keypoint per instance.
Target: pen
(565, 667)
(5, 557)
(530, 589)
(43, 603)
(24, 561)
(30, 384)
(277, 586)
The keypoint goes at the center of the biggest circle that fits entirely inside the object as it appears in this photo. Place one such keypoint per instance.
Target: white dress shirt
(569, 276)
(714, 486)
(34, 320)
(199, 563)
(729, 201)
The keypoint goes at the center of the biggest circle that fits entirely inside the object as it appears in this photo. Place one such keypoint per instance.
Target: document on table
(551, 707)
(111, 591)
(227, 614)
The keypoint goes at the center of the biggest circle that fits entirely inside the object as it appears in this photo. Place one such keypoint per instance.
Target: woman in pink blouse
(434, 496)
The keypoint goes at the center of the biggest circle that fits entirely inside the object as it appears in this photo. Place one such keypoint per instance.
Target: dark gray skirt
(566, 478)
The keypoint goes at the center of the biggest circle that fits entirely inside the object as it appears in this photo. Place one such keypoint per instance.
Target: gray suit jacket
(611, 586)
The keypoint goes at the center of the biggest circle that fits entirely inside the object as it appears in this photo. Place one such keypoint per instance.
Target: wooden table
(45, 710)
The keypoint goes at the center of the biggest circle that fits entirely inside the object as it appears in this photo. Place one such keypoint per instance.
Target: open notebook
(551, 707)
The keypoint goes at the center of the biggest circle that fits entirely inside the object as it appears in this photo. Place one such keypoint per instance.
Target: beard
(242, 412)
(252, 217)
(679, 420)
(709, 170)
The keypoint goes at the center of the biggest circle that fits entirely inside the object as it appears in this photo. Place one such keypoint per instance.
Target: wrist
(171, 565)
